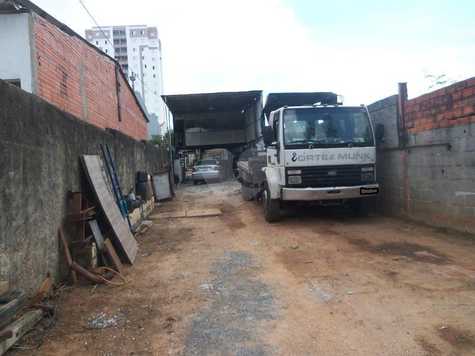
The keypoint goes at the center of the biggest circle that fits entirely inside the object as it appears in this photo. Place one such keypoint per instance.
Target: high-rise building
(139, 52)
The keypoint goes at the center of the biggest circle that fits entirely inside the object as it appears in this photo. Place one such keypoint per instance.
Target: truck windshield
(327, 127)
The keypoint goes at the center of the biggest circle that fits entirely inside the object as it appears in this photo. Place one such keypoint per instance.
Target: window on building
(143, 57)
(105, 42)
(133, 49)
(153, 67)
(145, 66)
(107, 51)
(154, 75)
(97, 43)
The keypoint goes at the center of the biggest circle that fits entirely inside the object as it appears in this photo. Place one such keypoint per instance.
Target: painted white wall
(15, 57)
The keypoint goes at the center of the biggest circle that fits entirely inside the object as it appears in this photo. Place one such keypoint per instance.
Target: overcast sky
(360, 49)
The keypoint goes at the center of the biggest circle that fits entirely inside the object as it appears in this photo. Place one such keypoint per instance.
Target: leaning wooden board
(124, 241)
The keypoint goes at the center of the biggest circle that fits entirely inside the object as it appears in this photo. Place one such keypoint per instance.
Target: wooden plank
(3, 287)
(112, 256)
(124, 240)
(96, 232)
(67, 253)
(135, 216)
(199, 213)
(168, 215)
(148, 207)
(19, 328)
(9, 309)
(43, 291)
(191, 213)
(5, 334)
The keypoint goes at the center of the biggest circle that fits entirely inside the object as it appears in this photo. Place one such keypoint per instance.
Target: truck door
(273, 152)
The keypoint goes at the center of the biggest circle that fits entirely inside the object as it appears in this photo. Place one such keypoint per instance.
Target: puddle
(428, 347)
(459, 338)
(231, 217)
(413, 251)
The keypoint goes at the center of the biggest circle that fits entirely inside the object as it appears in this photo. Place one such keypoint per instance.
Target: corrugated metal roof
(211, 102)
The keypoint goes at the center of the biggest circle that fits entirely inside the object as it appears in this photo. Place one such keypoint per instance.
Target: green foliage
(163, 140)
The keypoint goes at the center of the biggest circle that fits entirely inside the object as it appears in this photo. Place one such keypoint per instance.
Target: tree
(163, 141)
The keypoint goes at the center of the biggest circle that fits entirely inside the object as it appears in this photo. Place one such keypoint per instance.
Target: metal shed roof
(211, 102)
(277, 100)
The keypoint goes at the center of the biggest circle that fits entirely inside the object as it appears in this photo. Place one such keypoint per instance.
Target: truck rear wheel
(271, 206)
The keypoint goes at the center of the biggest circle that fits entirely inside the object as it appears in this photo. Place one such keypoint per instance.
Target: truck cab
(320, 153)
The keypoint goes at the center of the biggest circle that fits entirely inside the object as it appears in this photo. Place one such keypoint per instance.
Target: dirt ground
(317, 283)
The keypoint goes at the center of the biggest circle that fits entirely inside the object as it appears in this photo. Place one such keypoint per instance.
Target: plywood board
(124, 241)
(161, 183)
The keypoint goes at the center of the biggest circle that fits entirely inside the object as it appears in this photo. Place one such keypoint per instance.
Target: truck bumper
(329, 193)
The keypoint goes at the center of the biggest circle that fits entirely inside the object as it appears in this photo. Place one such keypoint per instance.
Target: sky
(358, 49)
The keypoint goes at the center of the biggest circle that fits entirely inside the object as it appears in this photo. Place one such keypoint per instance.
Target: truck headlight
(295, 179)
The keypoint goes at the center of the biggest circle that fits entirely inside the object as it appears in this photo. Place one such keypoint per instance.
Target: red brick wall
(450, 106)
(78, 79)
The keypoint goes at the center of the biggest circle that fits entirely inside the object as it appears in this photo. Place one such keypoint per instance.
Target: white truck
(320, 152)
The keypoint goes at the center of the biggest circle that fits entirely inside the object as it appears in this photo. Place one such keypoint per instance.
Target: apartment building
(139, 53)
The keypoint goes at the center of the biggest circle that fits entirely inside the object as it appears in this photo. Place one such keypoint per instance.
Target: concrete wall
(40, 148)
(430, 176)
(15, 62)
(389, 158)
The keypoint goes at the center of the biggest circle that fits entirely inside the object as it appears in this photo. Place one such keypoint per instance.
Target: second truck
(316, 150)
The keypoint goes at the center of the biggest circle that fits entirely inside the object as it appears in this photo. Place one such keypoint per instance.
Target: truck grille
(329, 176)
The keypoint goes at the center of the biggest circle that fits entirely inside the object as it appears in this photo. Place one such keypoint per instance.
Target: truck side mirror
(268, 135)
(379, 133)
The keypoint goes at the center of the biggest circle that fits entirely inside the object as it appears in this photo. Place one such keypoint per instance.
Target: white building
(138, 51)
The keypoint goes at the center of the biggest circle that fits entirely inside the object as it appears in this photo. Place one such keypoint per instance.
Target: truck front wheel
(271, 206)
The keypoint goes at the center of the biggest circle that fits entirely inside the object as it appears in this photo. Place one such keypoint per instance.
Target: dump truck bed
(250, 170)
